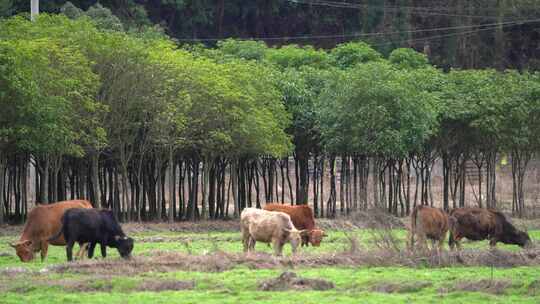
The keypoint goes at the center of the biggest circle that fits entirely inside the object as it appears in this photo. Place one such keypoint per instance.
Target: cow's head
(316, 236)
(294, 236)
(24, 250)
(124, 245)
(522, 239)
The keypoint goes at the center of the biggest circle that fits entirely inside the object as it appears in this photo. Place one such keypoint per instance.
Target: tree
(347, 55)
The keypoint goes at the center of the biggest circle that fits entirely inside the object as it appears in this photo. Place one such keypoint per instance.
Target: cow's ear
(12, 245)
(324, 234)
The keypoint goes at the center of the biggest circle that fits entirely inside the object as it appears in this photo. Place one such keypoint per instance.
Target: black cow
(93, 226)
(480, 224)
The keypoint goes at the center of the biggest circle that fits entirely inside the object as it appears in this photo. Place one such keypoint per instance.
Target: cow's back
(473, 223)
(432, 221)
(44, 221)
(269, 225)
(301, 215)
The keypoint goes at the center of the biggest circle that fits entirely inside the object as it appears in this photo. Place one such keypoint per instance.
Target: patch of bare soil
(199, 226)
(157, 285)
(218, 261)
(486, 286)
(408, 287)
(86, 286)
(290, 281)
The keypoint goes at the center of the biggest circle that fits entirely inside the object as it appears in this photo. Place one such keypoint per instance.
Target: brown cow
(428, 223)
(481, 224)
(268, 227)
(43, 222)
(302, 218)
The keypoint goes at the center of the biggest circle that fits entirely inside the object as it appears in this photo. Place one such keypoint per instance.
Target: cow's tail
(414, 215)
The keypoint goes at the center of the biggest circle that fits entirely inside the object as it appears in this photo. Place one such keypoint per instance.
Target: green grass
(239, 285)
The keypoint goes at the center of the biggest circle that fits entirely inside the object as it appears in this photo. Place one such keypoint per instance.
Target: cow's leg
(44, 249)
(305, 240)
(458, 244)
(69, 251)
(245, 240)
(410, 240)
(493, 243)
(433, 245)
(83, 248)
(91, 248)
(103, 250)
(278, 247)
(422, 242)
(251, 244)
(440, 245)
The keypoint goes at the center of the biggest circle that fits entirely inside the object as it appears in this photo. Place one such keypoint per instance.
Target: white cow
(268, 227)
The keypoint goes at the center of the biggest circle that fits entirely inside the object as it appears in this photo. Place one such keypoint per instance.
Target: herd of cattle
(69, 222)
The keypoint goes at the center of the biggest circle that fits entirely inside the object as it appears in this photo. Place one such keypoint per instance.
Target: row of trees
(461, 33)
(135, 123)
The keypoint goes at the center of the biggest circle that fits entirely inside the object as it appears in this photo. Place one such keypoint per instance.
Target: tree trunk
(3, 163)
(170, 166)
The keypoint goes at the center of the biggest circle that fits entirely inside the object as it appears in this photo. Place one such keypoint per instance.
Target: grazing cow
(481, 224)
(43, 222)
(94, 226)
(428, 223)
(302, 218)
(268, 227)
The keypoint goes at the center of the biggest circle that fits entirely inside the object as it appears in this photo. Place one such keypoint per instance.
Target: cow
(428, 223)
(302, 218)
(265, 226)
(94, 226)
(44, 221)
(481, 224)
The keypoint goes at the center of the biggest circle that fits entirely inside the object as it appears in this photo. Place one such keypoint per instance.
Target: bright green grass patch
(353, 285)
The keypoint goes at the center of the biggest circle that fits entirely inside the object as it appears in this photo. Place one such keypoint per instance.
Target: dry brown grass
(403, 287)
(162, 285)
(496, 287)
(221, 261)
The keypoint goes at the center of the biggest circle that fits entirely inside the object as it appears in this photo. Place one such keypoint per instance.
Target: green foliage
(249, 50)
(349, 54)
(408, 58)
(104, 18)
(293, 56)
(48, 95)
(375, 109)
(71, 11)
(6, 8)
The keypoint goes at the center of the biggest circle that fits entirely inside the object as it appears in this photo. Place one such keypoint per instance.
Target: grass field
(209, 267)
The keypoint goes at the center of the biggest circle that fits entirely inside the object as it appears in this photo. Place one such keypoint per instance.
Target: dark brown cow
(428, 223)
(42, 223)
(303, 219)
(481, 224)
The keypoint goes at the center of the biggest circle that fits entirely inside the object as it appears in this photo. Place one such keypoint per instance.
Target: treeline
(157, 131)
(460, 33)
